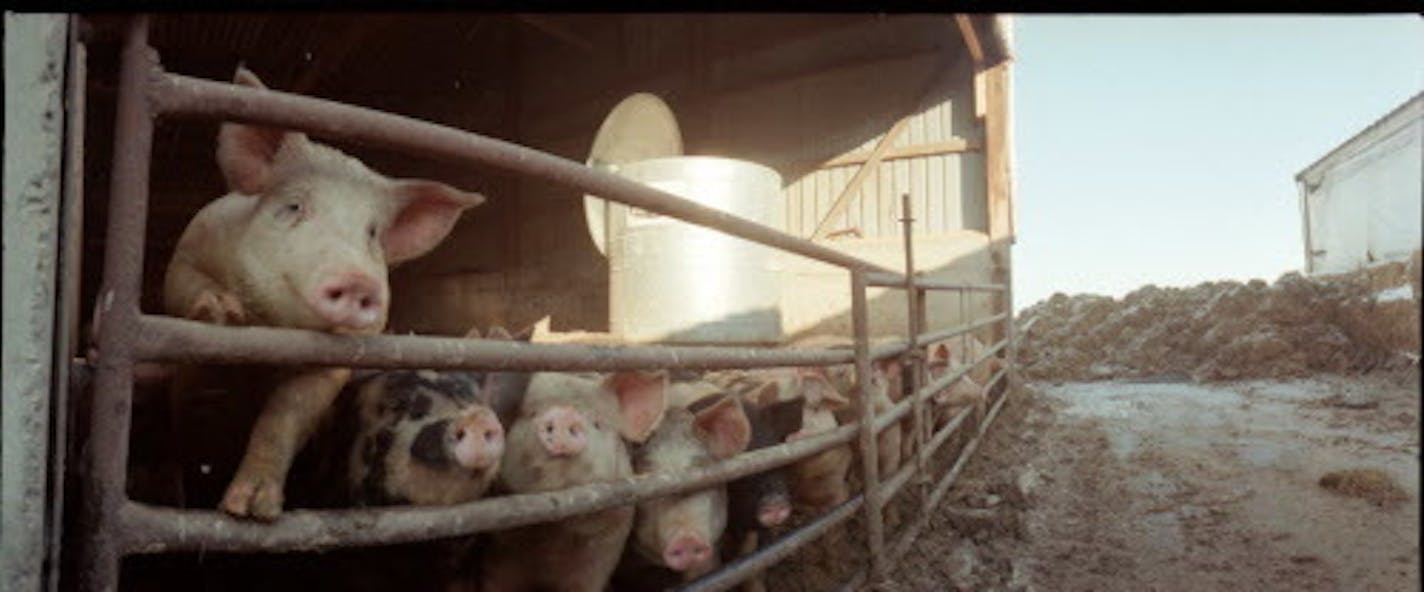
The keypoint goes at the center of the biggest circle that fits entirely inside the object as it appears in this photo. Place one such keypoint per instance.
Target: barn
(1360, 203)
(889, 134)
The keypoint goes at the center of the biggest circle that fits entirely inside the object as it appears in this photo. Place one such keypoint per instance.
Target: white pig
(303, 240)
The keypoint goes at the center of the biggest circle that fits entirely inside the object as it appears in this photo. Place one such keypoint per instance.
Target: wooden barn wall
(946, 190)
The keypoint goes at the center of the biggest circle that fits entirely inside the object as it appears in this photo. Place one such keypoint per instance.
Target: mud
(1140, 485)
(1216, 331)
(1373, 485)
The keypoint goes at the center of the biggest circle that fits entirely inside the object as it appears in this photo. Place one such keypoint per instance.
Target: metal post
(66, 328)
(914, 318)
(106, 455)
(1011, 378)
(869, 448)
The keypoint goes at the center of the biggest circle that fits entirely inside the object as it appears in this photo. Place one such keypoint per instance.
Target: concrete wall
(816, 297)
(34, 124)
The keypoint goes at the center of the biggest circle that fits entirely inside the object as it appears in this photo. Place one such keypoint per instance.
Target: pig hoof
(258, 498)
(220, 308)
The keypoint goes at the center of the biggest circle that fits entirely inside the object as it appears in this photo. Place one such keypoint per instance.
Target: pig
(675, 537)
(818, 483)
(426, 437)
(884, 379)
(761, 502)
(303, 240)
(885, 387)
(968, 391)
(571, 430)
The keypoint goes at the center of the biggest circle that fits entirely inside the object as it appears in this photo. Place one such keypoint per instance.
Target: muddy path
(1177, 486)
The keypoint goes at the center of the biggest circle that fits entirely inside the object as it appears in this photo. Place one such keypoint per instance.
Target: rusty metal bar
(745, 567)
(905, 406)
(915, 321)
(948, 430)
(943, 334)
(945, 381)
(891, 487)
(150, 529)
(941, 488)
(869, 445)
(882, 279)
(66, 328)
(1011, 334)
(184, 95)
(901, 545)
(106, 455)
(177, 340)
(921, 375)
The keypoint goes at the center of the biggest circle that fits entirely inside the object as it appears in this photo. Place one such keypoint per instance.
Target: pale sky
(1164, 149)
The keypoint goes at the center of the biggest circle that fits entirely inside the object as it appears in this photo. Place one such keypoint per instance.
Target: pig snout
(349, 300)
(479, 441)
(773, 510)
(686, 551)
(562, 430)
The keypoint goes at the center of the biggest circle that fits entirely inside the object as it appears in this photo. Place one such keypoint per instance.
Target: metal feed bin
(670, 281)
(674, 282)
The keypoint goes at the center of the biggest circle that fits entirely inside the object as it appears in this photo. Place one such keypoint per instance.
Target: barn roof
(1405, 112)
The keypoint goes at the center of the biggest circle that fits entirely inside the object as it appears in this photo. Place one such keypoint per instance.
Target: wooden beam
(971, 39)
(952, 146)
(872, 164)
(868, 170)
(999, 183)
(998, 177)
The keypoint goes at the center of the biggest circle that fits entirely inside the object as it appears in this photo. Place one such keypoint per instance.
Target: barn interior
(811, 96)
(807, 95)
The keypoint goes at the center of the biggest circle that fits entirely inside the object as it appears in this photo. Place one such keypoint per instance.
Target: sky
(1163, 150)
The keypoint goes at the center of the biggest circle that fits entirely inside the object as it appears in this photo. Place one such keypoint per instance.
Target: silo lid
(640, 127)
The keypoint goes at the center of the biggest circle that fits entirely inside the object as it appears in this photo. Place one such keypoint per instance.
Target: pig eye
(597, 425)
(371, 232)
(291, 210)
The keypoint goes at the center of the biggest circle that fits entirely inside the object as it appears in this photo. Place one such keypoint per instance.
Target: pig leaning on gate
(675, 538)
(302, 241)
(571, 430)
(968, 390)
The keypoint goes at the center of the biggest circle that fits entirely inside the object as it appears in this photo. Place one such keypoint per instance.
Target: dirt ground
(1177, 486)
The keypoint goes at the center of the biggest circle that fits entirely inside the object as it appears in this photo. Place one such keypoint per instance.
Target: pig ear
(819, 390)
(499, 334)
(246, 152)
(642, 399)
(473, 333)
(765, 393)
(428, 211)
(723, 427)
(526, 335)
(939, 354)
